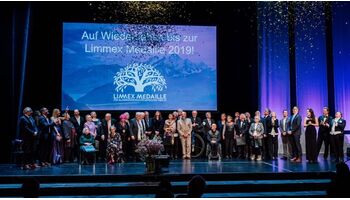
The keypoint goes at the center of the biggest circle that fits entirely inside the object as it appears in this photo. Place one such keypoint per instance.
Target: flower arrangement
(149, 148)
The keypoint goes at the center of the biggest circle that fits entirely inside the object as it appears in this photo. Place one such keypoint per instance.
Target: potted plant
(148, 150)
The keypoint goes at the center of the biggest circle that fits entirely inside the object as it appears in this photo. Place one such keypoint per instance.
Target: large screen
(138, 67)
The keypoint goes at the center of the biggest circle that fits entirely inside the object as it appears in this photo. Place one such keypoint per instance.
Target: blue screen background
(88, 77)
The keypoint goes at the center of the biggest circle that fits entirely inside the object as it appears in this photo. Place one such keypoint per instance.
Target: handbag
(88, 149)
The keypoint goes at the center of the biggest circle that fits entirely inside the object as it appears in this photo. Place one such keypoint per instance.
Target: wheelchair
(214, 151)
(198, 145)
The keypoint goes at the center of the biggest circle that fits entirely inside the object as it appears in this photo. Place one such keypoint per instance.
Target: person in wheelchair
(213, 145)
(87, 149)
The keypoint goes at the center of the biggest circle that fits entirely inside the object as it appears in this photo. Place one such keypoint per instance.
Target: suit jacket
(184, 126)
(341, 125)
(206, 126)
(221, 126)
(45, 126)
(264, 121)
(286, 127)
(198, 127)
(323, 128)
(104, 126)
(250, 122)
(242, 128)
(27, 127)
(78, 128)
(149, 124)
(295, 125)
(271, 126)
(134, 128)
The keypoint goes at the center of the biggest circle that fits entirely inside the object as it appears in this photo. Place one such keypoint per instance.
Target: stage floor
(195, 166)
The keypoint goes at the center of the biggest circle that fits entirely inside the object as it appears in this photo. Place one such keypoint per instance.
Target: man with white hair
(184, 127)
(137, 131)
(148, 125)
(28, 132)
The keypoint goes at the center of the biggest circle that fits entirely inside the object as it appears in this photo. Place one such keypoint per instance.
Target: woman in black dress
(311, 123)
(228, 137)
(158, 124)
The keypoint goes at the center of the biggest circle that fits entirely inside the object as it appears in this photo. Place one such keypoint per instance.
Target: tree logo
(139, 76)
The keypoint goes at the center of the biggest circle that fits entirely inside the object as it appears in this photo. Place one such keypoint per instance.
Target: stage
(226, 178)
(196, 166)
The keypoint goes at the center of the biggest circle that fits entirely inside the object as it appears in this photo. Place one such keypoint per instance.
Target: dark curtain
(14, 40)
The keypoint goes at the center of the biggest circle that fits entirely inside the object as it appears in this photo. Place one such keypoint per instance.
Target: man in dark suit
(148, 125)
(78, 122)
(337, 137)
(207, 122)
(265, 120)
(295, 130)
(28, 132)
(106, 124)
(286, 138)
(196, 126)
(137, 132)
(241, 132)
(324, 122)
(45, 138)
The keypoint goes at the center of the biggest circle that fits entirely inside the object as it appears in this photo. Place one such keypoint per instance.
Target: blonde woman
(56, 115)
(256, 131)
(169, 133)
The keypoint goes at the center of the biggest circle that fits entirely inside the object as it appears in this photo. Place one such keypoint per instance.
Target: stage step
(307, 194)
(239, 187)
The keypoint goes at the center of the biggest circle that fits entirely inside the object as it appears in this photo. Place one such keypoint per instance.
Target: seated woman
(87, 148)
(214, 146)
(256, 131)
(114, 147)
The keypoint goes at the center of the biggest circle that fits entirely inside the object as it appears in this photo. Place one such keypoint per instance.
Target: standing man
(286, 138)
(324, 130)
(28, 132)
(137, 132)
(148, 125)
(184, 127)
(78, 122)
(295, 130)
(337, 136)
(207, 122)
(45, 142)
(265, 120)
(248, 136)
(241, 132)
(196, 126)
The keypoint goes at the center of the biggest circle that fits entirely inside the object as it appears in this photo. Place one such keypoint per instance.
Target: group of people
(62, 138)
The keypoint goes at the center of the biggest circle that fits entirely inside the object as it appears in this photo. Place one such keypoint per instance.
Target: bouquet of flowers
(149, 148)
